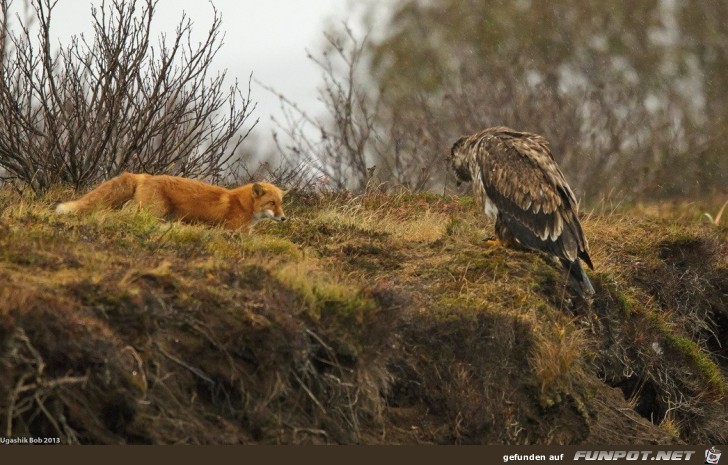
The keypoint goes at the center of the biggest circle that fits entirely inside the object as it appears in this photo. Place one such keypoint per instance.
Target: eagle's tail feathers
(577, 273)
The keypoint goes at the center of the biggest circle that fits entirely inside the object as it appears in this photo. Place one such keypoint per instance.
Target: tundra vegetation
(377, 314)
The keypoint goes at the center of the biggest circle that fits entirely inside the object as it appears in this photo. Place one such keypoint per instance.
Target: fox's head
(268, 202)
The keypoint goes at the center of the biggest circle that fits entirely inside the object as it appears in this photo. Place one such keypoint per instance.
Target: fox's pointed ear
(258, 190)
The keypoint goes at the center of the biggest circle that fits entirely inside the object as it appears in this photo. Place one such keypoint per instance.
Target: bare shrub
(115, 102)
(342, 146)
(625, 94)
(288, 176)
(630, 103)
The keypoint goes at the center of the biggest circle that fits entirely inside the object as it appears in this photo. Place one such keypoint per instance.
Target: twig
(195, 371)
(308, 391)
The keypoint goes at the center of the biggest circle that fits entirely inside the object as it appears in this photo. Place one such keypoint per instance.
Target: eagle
(517, 182)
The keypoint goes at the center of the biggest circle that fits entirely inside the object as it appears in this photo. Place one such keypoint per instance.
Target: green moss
(188, 235)
(626, 302)
(707, 368)
(324, 295)
(269, 245)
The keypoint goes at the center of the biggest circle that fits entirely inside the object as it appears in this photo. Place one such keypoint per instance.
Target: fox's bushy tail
(111, 194)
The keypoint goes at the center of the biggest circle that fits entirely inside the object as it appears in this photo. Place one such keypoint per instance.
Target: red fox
(185, 199)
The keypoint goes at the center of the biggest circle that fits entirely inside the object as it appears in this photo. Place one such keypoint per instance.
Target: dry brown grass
(371, 319)
(557, 358)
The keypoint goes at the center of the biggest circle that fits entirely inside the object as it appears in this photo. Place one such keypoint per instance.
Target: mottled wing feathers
(519, 176)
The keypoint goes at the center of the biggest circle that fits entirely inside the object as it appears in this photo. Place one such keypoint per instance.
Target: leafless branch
(117, 101)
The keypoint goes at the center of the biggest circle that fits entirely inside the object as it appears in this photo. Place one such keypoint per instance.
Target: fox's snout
(270, 214)
(276, 216)
(279, 217)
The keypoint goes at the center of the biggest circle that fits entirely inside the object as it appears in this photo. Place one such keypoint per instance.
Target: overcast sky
(266, 37)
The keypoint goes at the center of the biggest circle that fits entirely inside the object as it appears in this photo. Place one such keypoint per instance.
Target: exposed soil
(120, 329)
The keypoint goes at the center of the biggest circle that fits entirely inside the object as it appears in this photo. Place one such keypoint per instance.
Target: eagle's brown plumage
(517, 181)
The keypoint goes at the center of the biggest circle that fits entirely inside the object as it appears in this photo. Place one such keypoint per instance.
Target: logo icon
(712, 456)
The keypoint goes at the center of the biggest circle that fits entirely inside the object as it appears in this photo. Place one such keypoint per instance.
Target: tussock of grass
(269, 245)
(425, 227)
(324, 295)
(557, 358)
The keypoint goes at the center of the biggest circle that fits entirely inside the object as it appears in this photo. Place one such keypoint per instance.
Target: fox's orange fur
(185, 199)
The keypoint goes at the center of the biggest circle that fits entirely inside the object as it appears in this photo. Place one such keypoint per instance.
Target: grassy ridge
(382, 318)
